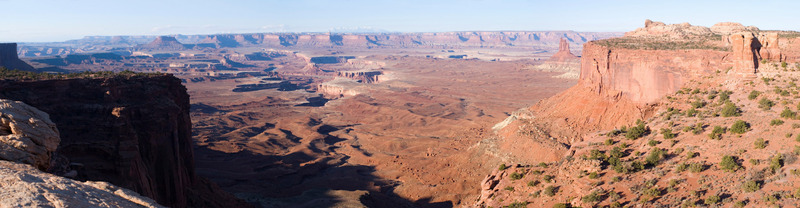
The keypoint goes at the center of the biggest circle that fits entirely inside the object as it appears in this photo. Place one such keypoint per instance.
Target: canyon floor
(412, 139)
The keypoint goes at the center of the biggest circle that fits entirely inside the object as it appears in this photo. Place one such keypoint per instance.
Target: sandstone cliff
(163, 43)
(9, 58)
(26, 134)
(622, 78)
(134, 132)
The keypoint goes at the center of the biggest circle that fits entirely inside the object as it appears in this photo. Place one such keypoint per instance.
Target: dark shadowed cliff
(131, 131)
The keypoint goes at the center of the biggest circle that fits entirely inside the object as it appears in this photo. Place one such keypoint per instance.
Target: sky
(60, 20)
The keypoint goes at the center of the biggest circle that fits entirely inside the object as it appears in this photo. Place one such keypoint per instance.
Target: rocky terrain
(139, 137)
(27, 141)
(664, 116)
(9, 58)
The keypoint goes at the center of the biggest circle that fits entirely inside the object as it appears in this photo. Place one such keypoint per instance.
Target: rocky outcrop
(26, 134)
(134, 132)
(362, 76)
(563, 61)
(9, 58)
(25, 186)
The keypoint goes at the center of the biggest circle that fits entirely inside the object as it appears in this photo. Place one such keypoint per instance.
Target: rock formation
(134, 132)
(563, 61)
(25, 186)
(362, 76)
(163, 43)
(26, 134)
(619, 84)
(9, 58)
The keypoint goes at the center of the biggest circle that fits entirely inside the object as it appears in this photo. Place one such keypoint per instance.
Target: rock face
(134, 132)
(26, 134)
(363, 76)
(25, 186)
(563, 61)
(9, 58)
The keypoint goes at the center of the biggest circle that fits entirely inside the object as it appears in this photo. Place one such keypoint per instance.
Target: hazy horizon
(48, 21)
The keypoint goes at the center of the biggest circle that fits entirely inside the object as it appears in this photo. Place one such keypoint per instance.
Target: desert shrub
(776, 122)
(696, 167)
(680, 167)
(690, 154)
(698, 104)
(550, 191)
(609, 142)
(542, 164)
(653, 142)
(667, 133)
(784, 64)
(729, 164)
(656, 154)
(760, 143)
(740, 127)
(739, 204)
(711, 200)
(754, 161)
(536, 172)
(717, 132)
(698, 128)
(789, 114)
(765, 104)
(724, 96)
(776, 163)
(730, 110)
(533, 183)
(516, 176)
(595, 196)
(637, 131)
(593, 175)
(753, 95)
(509, 188)
(548, 178)
(691, 112)
(562, 205)
(751, 186)
(502, 167)
(517, 205)
(597, 155)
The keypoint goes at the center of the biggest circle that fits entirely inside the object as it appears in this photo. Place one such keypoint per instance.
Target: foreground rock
(26, 134)
(131, 131)
(25, 186)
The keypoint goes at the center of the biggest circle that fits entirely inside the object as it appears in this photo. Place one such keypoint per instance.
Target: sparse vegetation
(637, 131)
(550, 191)
(516, 176)
(776, 122)
(730, 110)
(753, 95)
(667, 133)
(765, 104)
(760, 143)
(8, 74)
(751, 186)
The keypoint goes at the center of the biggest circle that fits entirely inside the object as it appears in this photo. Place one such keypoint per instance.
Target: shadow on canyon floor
(301, 179)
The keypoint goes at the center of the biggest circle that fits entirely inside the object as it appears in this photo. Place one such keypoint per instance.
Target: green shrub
(789, 114)
(502, 167)
(548, 178)
(729, 164)
(691, 112)
(711, 200)
(593, 175)
(609, 142)
(533, 183)
(696, 167)
(717, 132)
(730, 110)
(656, 154)
(517, 205)
(516, 176)
(550, 191)
(776, 122)
(776, 163)
(751, 186)
(724, 96)
(562, 205)
(760, 143)
(667, 133)
(595, 196)
(509, 188)
(680, 167)
(542, 164)
(637, 131)
(698, 104)
(740, 127)
(753, 95)
(653, 142)
(765, 104)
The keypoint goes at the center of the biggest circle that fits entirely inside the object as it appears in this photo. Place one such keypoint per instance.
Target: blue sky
(59, 20)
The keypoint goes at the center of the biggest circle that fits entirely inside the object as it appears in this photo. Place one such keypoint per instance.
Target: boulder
(27, 135)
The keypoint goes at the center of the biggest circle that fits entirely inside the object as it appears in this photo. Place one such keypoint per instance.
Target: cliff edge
(10, 60)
